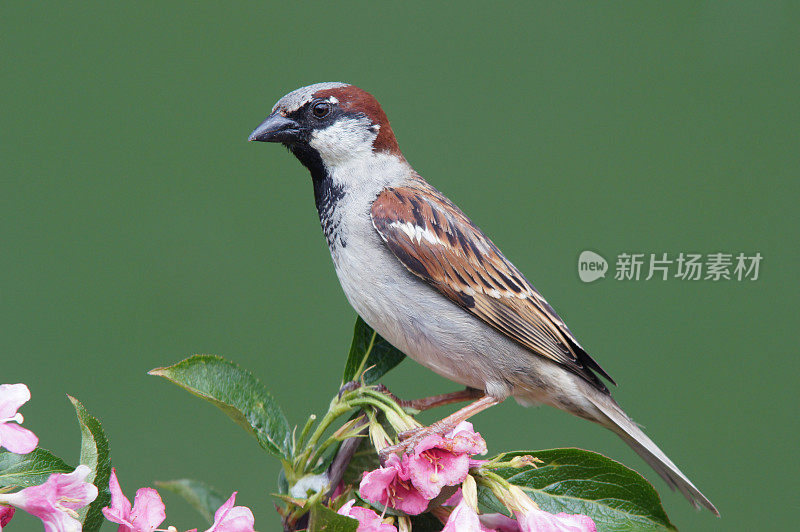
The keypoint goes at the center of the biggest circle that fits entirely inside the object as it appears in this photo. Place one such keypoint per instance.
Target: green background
(139, 227)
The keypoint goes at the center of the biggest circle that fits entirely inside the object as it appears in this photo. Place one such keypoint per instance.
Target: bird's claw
(408, 439)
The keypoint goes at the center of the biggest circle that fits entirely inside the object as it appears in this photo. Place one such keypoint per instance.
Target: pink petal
(499, 522)
(68, 480)
(47, 501)
(408, 500)
(463, 519)
(345, 509)
(431, 441)
(6, 513)
(469, 442)
(60, 522)
(455, 498)
(74, 489)
(115, 516)
(230, 518)
(12, 396)
(436, 468)
(540, 521)
(148, 510)
(464, 426)
(219, 515)
(405, 497)
(582, 522)
(368, 520)
(237, 524)
(17, 439)
(119, 502)
(375, 484)
(338, 491)
(458, 441)
(400, 464)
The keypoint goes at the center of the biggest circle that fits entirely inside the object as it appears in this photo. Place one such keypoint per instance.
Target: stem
(312, 455)
(390, 404)
(366, 354)
(334, 412)
(304, 434)
(300, 511)
(363, 396)
(371, 401)
(343, 457)
(321, 449)
(494, 477)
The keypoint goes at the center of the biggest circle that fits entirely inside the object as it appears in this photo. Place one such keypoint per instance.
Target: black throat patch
(326, 193)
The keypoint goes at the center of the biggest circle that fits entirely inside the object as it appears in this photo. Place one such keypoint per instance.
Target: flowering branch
(333, 477)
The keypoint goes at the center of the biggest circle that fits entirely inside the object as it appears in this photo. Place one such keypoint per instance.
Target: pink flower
(454, 499)
(55, 501)
(463, 519)
(230, 518)
(540, 521)
(147, 513)
(6, 513)
(368, 521)
(440, 461)
(466, 440)
(532, 519)
(12, 436)
(499, 523)
(391, 486)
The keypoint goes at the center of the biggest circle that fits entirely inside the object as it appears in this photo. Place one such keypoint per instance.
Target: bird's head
(328, 124)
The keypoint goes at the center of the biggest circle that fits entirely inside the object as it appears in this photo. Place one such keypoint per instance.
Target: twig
(342, 459)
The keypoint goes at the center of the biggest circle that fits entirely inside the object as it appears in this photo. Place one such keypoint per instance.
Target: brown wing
(439, 244)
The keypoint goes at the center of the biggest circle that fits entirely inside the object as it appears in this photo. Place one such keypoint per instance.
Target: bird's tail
(621, 424)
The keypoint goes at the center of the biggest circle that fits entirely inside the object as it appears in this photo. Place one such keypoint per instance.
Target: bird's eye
(321, 109)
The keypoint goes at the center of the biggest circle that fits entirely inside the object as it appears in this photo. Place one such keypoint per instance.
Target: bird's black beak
(276, 128)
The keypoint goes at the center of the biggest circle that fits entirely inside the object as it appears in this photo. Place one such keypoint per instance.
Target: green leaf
(32, 469)
(323, 519)
(370, 354)
(425, 522)
(95, 454)
(237, 393)
(283, 482)
(199, 495)
(578, 481)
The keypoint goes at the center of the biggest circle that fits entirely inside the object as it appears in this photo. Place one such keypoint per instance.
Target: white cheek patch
(344, 140)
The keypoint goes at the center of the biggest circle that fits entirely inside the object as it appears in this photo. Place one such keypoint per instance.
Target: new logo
(591, 266)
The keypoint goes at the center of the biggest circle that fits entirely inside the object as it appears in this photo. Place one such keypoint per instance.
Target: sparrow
(421, 274)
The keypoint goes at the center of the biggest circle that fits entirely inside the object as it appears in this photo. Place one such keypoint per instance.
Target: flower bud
(400, 423)
(469, 492)
(525, 460)
(518, 500)
(378, 436)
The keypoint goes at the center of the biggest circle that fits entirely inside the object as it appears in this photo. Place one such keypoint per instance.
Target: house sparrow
(422, 275)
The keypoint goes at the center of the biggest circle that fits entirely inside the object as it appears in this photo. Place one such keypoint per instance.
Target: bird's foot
(409, 439)
(424, 403)
(435, 401)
